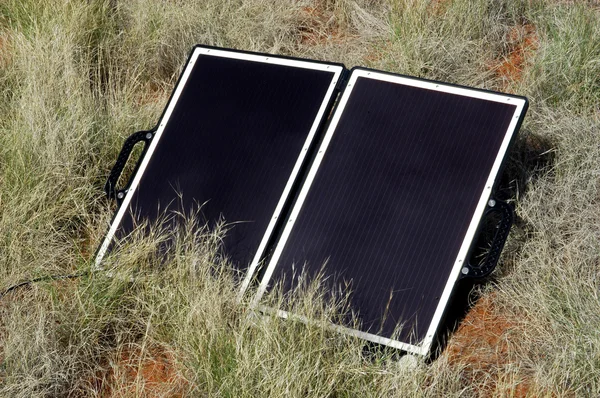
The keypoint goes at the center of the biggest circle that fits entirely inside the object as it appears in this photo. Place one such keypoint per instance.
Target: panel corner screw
(148, 136)
(464, 270)
(120, 195)
(492, 203)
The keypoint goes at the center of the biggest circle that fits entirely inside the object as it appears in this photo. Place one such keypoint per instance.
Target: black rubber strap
(493, 255)
(111, 184)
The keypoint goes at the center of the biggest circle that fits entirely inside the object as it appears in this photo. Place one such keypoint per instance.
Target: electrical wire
(41, 279)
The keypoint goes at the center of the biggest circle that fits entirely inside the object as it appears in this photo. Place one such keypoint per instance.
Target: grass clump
(78, 77)
(566, 72)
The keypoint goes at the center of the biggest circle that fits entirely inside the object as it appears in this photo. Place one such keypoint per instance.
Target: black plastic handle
(491, 259)
(111, 184)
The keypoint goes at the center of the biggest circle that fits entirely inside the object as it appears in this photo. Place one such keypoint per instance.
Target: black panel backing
(393, 198)
(230, 144)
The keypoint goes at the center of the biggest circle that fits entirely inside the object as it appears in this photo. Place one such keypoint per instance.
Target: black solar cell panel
(232, 139)
(390, 203)
(394, 196)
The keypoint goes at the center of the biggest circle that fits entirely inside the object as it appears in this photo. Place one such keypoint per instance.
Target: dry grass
(77, 77)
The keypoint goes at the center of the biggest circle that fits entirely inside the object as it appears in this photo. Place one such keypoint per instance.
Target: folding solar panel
(232, 139)
(385, 193)
(394, 198)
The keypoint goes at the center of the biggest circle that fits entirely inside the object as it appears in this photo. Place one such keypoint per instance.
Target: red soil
(151, 373)
(522, 40)
(319, 25)
(481, 345)
(152, 94)
(376, 54)
(438, 7)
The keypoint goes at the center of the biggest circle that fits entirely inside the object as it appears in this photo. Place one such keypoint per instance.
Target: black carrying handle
(491, 259)
(111, 184)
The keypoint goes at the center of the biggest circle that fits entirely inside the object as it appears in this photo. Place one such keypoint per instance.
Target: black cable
(41, 279)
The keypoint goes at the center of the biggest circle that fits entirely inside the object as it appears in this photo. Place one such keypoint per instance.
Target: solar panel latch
(110, 187)
(495, 209)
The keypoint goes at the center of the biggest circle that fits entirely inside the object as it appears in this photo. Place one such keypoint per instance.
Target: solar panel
(232, 138)
(393, 200)
(389, 190)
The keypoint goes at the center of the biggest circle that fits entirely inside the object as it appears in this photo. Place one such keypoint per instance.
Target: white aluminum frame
(213, 52)
(424, 346)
